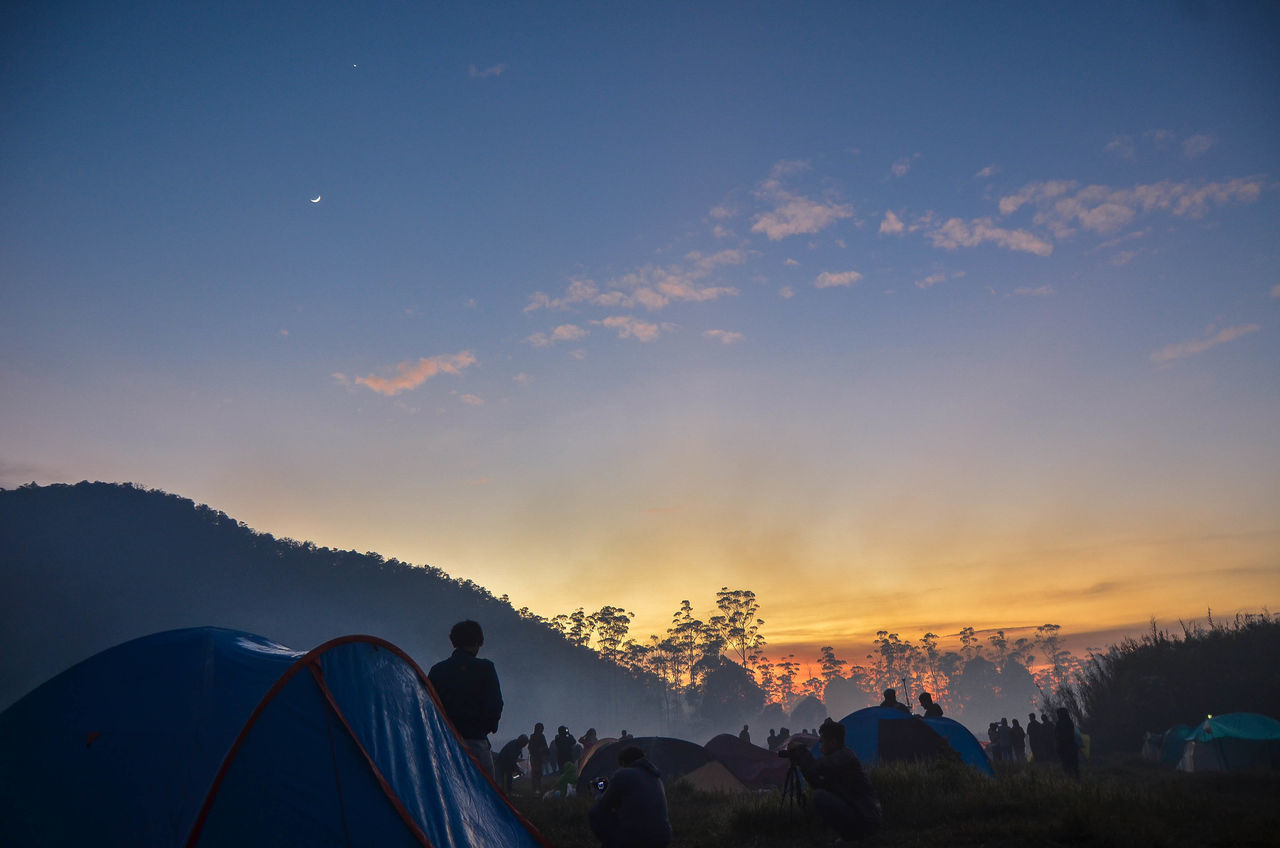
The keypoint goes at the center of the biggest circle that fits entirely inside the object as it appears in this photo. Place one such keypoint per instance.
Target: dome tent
(209, 737)
(1232, 742)
(884, 734)
(758, 768)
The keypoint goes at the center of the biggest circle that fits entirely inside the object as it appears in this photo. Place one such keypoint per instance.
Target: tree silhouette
(739, 625)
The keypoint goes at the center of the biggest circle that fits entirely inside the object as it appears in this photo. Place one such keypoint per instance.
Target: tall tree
(739, 624)
(831, 667)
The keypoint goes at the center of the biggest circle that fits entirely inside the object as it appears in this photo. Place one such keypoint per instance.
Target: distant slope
(88, 566)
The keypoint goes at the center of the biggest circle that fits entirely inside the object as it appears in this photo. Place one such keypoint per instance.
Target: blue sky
(970, 310)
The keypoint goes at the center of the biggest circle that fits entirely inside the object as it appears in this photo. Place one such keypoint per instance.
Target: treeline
(716, 668)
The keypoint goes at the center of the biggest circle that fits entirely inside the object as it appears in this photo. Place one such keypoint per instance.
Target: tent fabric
(962, 742)
(884, 734)
(673, 757)
(1232, 742)
(210, 737)
(714, 777)
(758, 768)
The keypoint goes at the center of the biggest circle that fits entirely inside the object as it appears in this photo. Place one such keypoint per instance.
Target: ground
(1125, 802)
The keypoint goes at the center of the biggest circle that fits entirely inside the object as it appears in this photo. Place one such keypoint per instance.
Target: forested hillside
(88, 566)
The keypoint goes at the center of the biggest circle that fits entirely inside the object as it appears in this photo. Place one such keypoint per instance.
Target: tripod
(792, 790)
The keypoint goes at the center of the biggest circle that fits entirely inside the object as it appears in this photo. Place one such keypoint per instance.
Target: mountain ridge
(86, 566)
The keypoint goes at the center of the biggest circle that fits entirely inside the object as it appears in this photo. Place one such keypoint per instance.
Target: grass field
(1123, 803)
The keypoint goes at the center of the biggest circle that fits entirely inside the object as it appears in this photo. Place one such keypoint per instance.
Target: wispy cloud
(793, 214)
(473, 400)
(724, 336)
(1122, 146)
(410, 375)
(1062, 207)
(931, 281)
(959, 233)
(1124, 257)
(492, 71)
(1198, 145)
(901, 167)
(651, 286)
(831, 279)
(1181, 350)
(988, 171)
(563, 333)
(1275, 291)
(630, 327)
(891, 225)
(787, 292)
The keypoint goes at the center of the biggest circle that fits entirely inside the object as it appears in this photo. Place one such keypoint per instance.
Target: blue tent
(884, 734)
(209, 737)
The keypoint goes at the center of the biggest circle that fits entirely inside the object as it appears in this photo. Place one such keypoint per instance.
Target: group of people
(1048, 740)
(632, 809)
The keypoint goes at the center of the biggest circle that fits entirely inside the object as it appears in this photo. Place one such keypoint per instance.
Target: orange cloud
(410, 375)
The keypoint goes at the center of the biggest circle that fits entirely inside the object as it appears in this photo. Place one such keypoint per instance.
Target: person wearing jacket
(632, 811)
(842, 794)
(469, 691)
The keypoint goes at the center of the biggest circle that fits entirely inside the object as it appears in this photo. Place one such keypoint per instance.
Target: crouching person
(632, 811)
(842, 794)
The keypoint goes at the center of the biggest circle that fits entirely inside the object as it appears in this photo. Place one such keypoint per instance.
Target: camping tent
(713, 777)
(210, 737)
(1165, 747)
(1232, 742)
(672, 757)
(884, 734)
(758, 768)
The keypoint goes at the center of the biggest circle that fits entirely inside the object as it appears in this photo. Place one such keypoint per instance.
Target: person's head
(1015, 723)
(830, 736)
(744, 727)
(562, 729)
(1004, 721)
(523, 739)
(891, 694)
(925, 699)
(467, 635)
(629, 755)
(537, 728)
(1031, 717)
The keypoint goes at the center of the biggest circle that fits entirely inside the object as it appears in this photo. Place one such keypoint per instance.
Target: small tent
(758, 768)
(209, 737)
(1232, 742)
(673, 757)
(713, 777)
(884, 734)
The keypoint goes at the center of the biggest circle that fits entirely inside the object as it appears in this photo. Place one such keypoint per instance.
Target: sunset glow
(902, 318)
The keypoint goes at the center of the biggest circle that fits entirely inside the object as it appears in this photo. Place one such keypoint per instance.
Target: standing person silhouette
(537, 757)
(1064, 737)
(469, 691)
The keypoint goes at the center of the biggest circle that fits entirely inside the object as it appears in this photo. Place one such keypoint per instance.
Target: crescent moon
(315, 199)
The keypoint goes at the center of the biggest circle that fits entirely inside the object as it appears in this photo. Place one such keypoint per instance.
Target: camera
(600, 783)
(787, 753)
